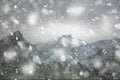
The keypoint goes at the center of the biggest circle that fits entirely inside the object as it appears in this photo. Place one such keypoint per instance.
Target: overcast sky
(44, 20)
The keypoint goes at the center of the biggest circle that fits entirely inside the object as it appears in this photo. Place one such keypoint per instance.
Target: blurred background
(44, 20)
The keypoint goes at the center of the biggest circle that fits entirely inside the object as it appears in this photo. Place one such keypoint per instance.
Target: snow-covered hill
(63, 58)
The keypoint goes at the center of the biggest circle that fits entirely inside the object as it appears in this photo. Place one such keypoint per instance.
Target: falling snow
(59, 39)
(75, 11)
(10, 54)
(28, 68)
(32, 18)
